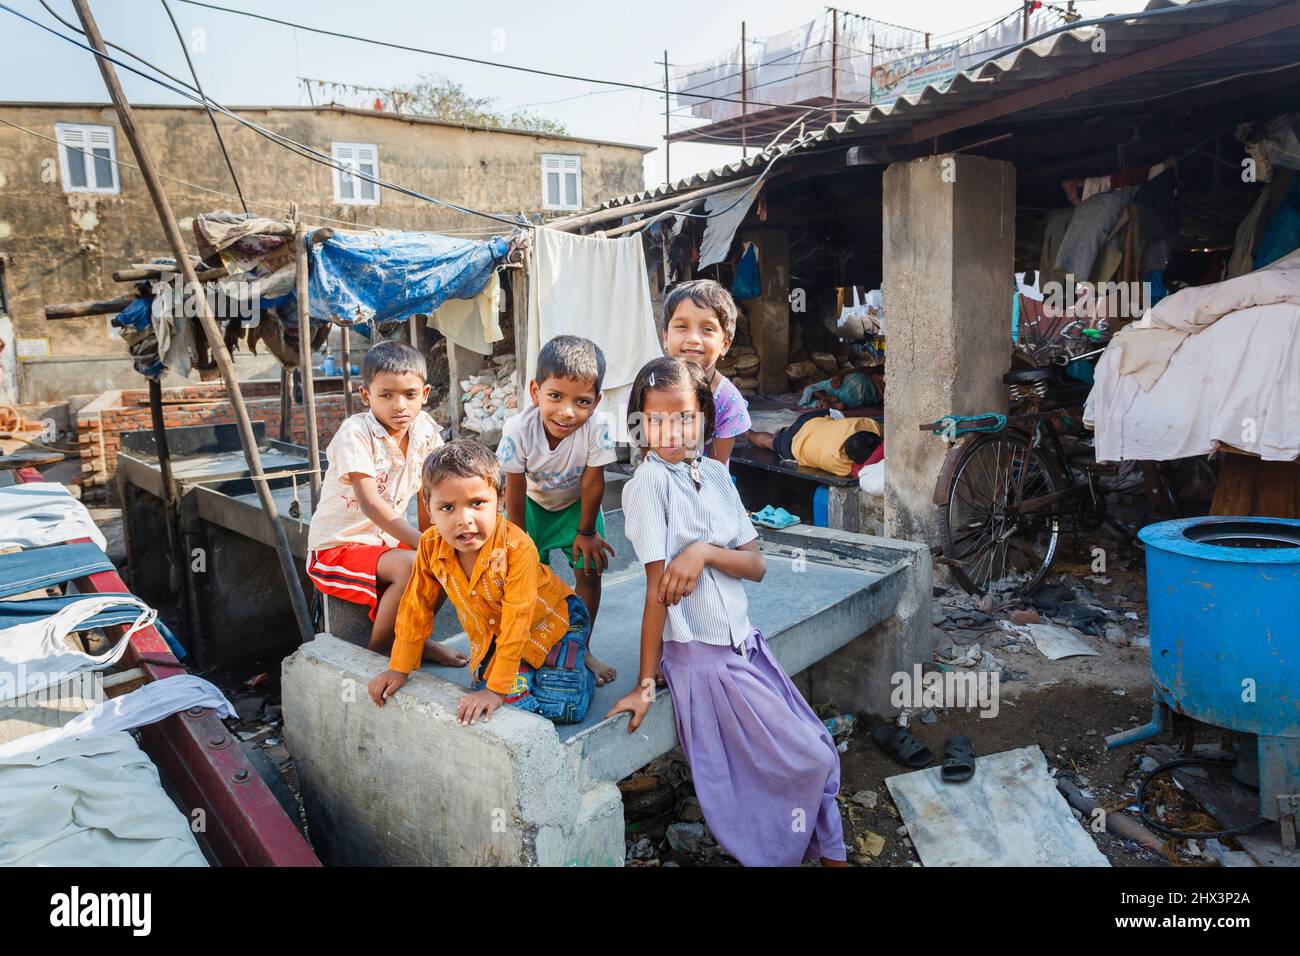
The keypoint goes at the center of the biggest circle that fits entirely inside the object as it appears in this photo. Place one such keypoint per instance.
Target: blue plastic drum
(1224, 603)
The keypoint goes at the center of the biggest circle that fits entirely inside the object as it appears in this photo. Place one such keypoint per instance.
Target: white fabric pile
(85, 794)
(489, 398)
(1208, 366)
(40, 513)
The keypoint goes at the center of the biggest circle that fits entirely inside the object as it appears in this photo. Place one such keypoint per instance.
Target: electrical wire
(456, 56)
(186, 91)
(211, 116)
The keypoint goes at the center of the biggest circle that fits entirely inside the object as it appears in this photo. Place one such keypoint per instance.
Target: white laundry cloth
(145, 705)
(90, 801)
(1235, 382)
(598, 289)
(35, 656)
(85, 794)
(39, 513)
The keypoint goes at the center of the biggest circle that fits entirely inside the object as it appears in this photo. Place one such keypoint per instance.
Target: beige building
(68, 218)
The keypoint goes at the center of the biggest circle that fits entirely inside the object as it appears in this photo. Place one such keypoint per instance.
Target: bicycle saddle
(1050, 375)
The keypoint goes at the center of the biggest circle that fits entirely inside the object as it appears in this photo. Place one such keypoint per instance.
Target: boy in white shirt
(554, 454)
(359, 545)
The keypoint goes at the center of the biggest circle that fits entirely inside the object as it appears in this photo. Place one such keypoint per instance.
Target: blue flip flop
(774, 518)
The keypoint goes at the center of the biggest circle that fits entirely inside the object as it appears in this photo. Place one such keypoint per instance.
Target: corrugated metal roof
(1051, 57)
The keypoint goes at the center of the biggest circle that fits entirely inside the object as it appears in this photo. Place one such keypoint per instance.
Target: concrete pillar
(769, 315)
(949, 233)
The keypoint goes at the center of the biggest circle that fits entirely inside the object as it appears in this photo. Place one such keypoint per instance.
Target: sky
(241, 61)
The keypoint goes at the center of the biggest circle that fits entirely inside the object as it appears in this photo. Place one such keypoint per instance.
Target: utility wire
(657, 90)
(211, 116)
(292, 145)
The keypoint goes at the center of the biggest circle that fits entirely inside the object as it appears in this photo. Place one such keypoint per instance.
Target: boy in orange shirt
(528, 631)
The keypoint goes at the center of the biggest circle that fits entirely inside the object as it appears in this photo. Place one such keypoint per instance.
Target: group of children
(765, 768)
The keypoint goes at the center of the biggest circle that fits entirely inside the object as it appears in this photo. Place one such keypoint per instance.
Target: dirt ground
(1065, 707)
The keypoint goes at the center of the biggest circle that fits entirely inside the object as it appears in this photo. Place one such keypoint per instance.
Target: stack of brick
(100, 424)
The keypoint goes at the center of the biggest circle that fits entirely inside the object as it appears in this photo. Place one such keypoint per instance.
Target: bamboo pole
(218, 347)
(286, 402)
(345, 341)
(304, 359)
(75, 310)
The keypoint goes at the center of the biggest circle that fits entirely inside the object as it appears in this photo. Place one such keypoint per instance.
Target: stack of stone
(489, 397)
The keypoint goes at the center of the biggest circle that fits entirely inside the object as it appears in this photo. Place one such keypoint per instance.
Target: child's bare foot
(827, 861)
(436, 653)
(604, 673)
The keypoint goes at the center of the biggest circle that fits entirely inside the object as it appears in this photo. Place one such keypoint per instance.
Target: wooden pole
(286, 402)
(346, 349)
(304, 359)
(835, 73)
(218, 347)
(168, 485)
(744, 97)
(667, 129)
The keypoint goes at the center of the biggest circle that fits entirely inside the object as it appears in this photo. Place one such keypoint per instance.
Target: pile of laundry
(489, 397)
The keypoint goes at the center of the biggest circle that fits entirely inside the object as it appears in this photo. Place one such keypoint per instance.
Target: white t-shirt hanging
(554, 475)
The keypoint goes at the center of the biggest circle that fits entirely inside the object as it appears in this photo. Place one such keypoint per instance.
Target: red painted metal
(202, 762)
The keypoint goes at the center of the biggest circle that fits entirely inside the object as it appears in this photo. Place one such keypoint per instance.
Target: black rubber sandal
(902, 746)
(958, 760)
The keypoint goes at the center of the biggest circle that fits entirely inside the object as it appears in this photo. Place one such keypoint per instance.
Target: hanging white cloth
(598, 289)
(40, 513)
(34, 655)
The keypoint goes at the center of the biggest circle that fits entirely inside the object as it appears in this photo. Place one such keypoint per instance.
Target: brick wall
(100, 424)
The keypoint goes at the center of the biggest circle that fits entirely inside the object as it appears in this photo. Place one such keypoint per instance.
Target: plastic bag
(748, 284)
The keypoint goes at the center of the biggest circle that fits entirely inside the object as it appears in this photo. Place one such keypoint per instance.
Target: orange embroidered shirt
(510, 596)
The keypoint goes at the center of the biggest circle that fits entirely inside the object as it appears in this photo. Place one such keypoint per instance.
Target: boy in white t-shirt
(554, 454)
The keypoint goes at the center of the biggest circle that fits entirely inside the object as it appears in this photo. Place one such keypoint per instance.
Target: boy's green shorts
(557, 529)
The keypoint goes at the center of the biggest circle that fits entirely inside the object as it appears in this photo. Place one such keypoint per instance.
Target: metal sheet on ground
(1008, 814)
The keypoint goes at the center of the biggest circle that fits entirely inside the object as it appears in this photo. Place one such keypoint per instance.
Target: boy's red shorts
(348, 572)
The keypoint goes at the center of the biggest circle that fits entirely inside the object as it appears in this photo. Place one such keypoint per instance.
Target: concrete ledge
(407, 785)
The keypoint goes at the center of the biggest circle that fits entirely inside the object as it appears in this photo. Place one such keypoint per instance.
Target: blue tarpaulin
(390, 277)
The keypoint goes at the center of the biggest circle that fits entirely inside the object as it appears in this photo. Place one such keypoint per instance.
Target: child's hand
(681, 574)
(635, 702)
(484, 702)
(385, 686)
(592, 548)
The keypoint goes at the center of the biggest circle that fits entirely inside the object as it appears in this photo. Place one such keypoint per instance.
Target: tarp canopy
(390, 277)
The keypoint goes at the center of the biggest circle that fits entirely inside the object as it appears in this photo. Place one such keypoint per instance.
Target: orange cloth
(512, 598)
(819, 442)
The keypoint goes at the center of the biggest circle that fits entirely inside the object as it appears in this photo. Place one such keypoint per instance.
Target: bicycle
(1009, 488)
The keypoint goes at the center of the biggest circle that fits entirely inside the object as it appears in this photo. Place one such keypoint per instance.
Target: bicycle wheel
(982, 532)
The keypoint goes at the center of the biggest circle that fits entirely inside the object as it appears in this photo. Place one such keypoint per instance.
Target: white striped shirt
(664, 513)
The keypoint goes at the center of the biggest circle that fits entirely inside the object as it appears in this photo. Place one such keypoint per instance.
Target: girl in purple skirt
(765, 768)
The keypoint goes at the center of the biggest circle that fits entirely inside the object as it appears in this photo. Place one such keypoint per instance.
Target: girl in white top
(761, 760)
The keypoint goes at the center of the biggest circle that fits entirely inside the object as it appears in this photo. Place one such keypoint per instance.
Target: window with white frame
(561, 181)
(87, 158)
(359, 189)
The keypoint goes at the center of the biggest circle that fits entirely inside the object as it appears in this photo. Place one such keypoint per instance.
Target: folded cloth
(41, 567)
(38, 513)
